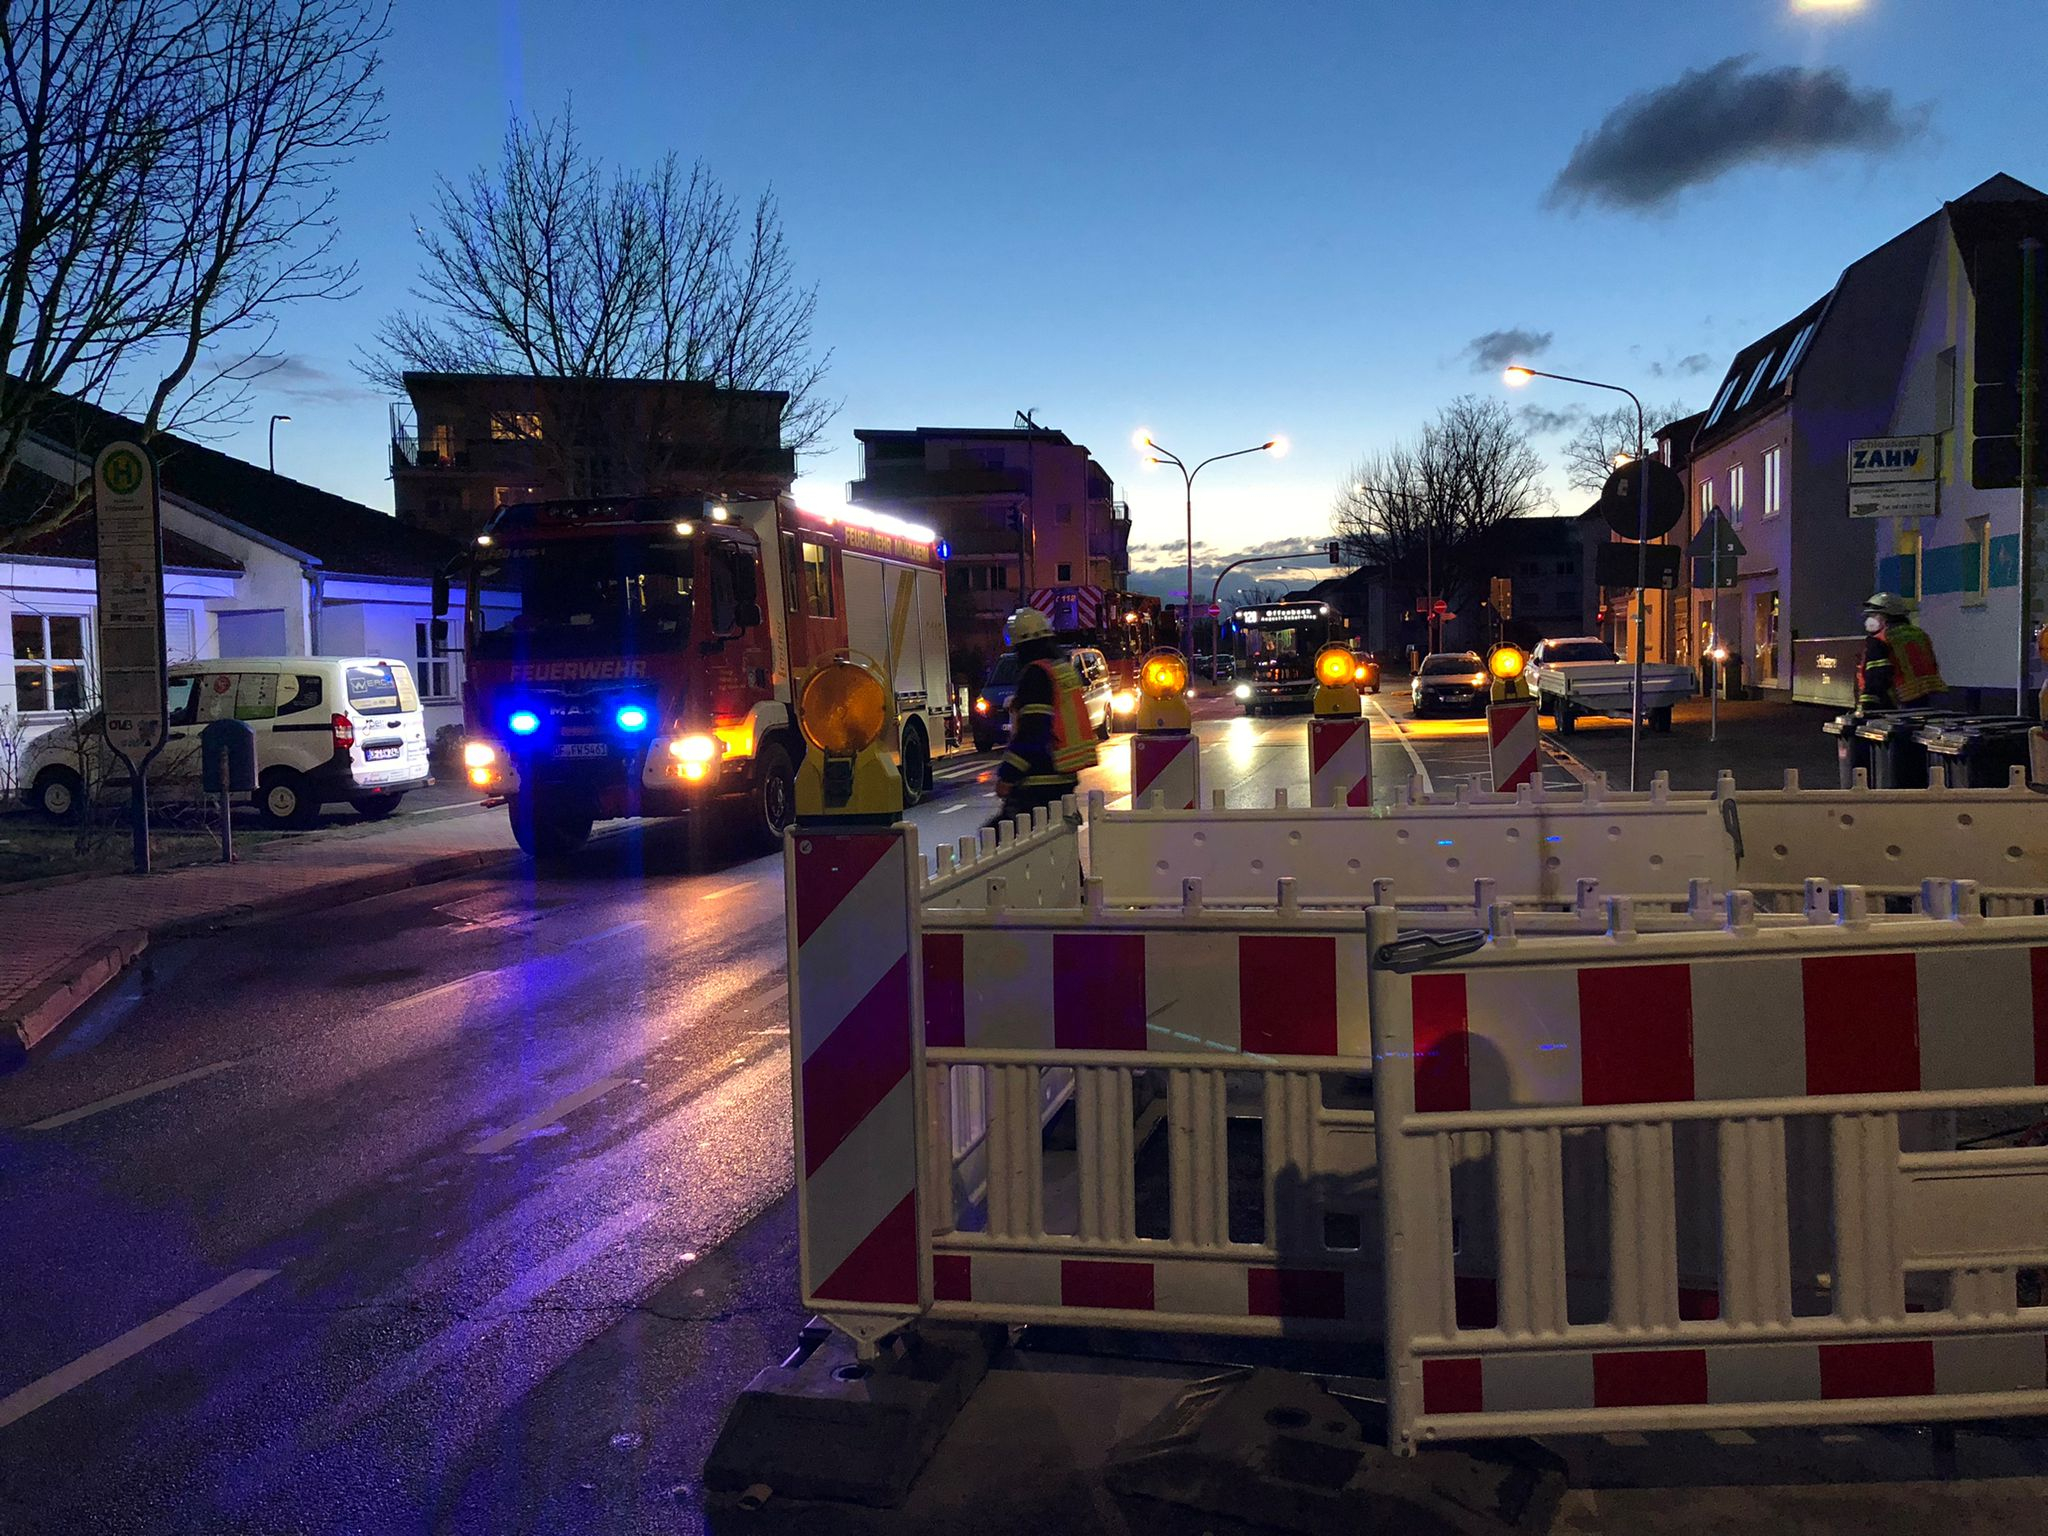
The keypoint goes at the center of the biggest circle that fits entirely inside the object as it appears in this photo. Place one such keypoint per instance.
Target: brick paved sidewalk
(60, 941)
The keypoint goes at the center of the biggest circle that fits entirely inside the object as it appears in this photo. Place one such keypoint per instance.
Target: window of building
(1912, 550)
(1977, 561)
(49, 661)
(1755, 379)
(1735, 495)
(1764, 636)
(439, 443)
(1774, 481)
(1945, 391)
(1066, 572)
(515, 426)
(999, 578)
(1706, 498)
(817, 581)
(1793, 353)
(430, 663)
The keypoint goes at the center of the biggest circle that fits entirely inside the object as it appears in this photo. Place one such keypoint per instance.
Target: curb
(46, 1007)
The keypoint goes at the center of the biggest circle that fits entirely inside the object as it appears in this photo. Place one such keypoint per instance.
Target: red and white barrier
(1512, 744)
(1167, 764)
(854, 1005)
(1846, 1039)
(1339, 761)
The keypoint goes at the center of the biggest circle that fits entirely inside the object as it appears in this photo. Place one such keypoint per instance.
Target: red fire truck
(639, 656)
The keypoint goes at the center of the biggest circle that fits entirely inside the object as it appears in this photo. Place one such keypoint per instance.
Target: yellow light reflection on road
(1443, 728)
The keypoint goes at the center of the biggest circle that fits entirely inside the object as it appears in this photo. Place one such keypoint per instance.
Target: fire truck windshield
(576, 598)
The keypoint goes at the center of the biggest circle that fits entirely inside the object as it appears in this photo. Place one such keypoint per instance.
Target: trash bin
(1979, 752)
(1851, 751)
(1894, 749)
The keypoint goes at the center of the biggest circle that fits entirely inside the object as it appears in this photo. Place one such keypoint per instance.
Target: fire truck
(640, 656)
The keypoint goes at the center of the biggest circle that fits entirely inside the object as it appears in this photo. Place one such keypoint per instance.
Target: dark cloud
(1686, 367)
(1541, 420)
(1496, 349)
(1162, 570)
(1710, 121)
(301, 380)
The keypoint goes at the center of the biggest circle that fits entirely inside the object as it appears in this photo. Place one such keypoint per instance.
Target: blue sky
(1217, 220)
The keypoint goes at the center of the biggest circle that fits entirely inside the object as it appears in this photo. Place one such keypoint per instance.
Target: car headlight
(1124, 702)
(981, 706)
(1243, 691)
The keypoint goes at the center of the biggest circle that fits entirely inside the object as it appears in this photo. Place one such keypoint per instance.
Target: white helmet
(1027, 624)
(1890, 604)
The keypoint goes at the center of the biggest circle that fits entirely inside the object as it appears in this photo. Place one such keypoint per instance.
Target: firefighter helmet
(1890, 604)
(1027, 624)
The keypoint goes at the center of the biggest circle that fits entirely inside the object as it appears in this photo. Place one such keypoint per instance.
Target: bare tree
(164, 190)
(553, 266)
(1428, 512)
(1590, 454)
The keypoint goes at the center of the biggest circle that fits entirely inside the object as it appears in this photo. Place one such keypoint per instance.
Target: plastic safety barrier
(1538, 845)
(1720, 1079)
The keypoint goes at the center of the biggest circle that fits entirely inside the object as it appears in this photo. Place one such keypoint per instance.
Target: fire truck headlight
(843, 709)
(694, 755)
(478, 754)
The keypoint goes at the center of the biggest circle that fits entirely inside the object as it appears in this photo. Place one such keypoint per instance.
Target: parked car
(997, 697)
(1579, 675)
(327, 729)
(1202, 668)
(1277, 682)
(1449, 682)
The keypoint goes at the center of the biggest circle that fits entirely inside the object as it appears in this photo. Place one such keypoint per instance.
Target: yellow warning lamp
(1163, 686)
(1508, 666)
(1337, 681)
(843, 713)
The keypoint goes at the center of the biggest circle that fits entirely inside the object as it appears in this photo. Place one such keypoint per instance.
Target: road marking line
(1627, 1438)
(542, 1118)
(729, 890)
(1731, 1437)
(1407, 746)
(430, 992)
(116, 1100)
(615, 929)
(774, 994)
(47, 1389)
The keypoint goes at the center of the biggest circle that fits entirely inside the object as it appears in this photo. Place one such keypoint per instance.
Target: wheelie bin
(1897, 755)
(1851, 751)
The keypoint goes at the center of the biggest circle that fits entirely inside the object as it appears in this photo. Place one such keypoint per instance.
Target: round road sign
(1621, 499)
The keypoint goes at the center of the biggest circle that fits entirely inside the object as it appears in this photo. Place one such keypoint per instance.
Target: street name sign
(131, 601)
(1895, 476)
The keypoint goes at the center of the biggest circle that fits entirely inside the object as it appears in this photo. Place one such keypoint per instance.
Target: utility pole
(2030, 593)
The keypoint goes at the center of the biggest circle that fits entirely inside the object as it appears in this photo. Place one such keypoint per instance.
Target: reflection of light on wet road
(1426, 729)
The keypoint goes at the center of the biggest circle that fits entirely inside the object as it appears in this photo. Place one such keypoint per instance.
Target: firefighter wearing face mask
(1898, 668)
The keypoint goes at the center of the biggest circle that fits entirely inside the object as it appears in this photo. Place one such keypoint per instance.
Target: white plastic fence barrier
(1801, 1059)
(1537, 845)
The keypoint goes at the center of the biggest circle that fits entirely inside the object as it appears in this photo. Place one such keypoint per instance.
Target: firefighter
(1050, 739)
(1898, 666)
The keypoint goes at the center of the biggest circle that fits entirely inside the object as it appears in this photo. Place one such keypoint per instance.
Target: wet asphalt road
(460, 1209)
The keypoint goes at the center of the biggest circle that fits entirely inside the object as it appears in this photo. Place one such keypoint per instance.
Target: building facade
(255, 564)
(1027, 516)
(1888, 351)
(465, 444)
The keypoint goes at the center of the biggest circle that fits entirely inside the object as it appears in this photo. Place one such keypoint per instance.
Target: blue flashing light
(944, 549)
(522, 722)
(1446, 842)
(631, 717)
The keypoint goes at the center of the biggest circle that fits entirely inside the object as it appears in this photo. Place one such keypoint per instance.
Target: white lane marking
(47, 1389)
(1627, 1438)
(116, 1100)
(1407, 746)
(431, 992)
(455, 1341)
(774, 994)
(728, 890)
(541, 1118)
(613, 931)
(1731, 1437)
(955, 810)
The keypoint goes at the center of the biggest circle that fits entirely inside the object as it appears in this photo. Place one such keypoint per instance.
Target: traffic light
(1336, 551)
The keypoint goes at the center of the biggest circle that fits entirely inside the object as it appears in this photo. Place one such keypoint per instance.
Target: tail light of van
(344, 733)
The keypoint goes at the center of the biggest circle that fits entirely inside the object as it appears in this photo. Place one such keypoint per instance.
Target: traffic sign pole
(129, 567)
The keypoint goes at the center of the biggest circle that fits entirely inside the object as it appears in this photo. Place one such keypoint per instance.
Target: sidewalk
(1757, 741)
(66, 938)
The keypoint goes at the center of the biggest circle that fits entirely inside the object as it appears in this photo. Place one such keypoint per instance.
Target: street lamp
(273, 441)
(1515, 377)
(1142, 440)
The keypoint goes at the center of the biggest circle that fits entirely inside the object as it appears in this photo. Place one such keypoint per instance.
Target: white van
(328, 728)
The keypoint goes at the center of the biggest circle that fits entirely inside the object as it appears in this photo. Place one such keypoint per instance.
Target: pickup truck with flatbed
(1576, 676)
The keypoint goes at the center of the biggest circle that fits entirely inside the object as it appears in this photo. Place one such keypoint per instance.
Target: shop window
(430, 667)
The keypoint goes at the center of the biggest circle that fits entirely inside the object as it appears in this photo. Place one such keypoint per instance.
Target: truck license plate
(582, 749)
(380, 754)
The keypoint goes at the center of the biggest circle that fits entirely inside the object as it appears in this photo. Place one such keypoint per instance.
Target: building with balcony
(465, 444)
(1028, 516)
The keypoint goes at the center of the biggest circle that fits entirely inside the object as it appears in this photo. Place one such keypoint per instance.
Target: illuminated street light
(1825, 7)
(1142, 440)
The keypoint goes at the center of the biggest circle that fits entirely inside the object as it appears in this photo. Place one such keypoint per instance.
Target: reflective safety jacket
(1052, 742)
(1915, 675)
